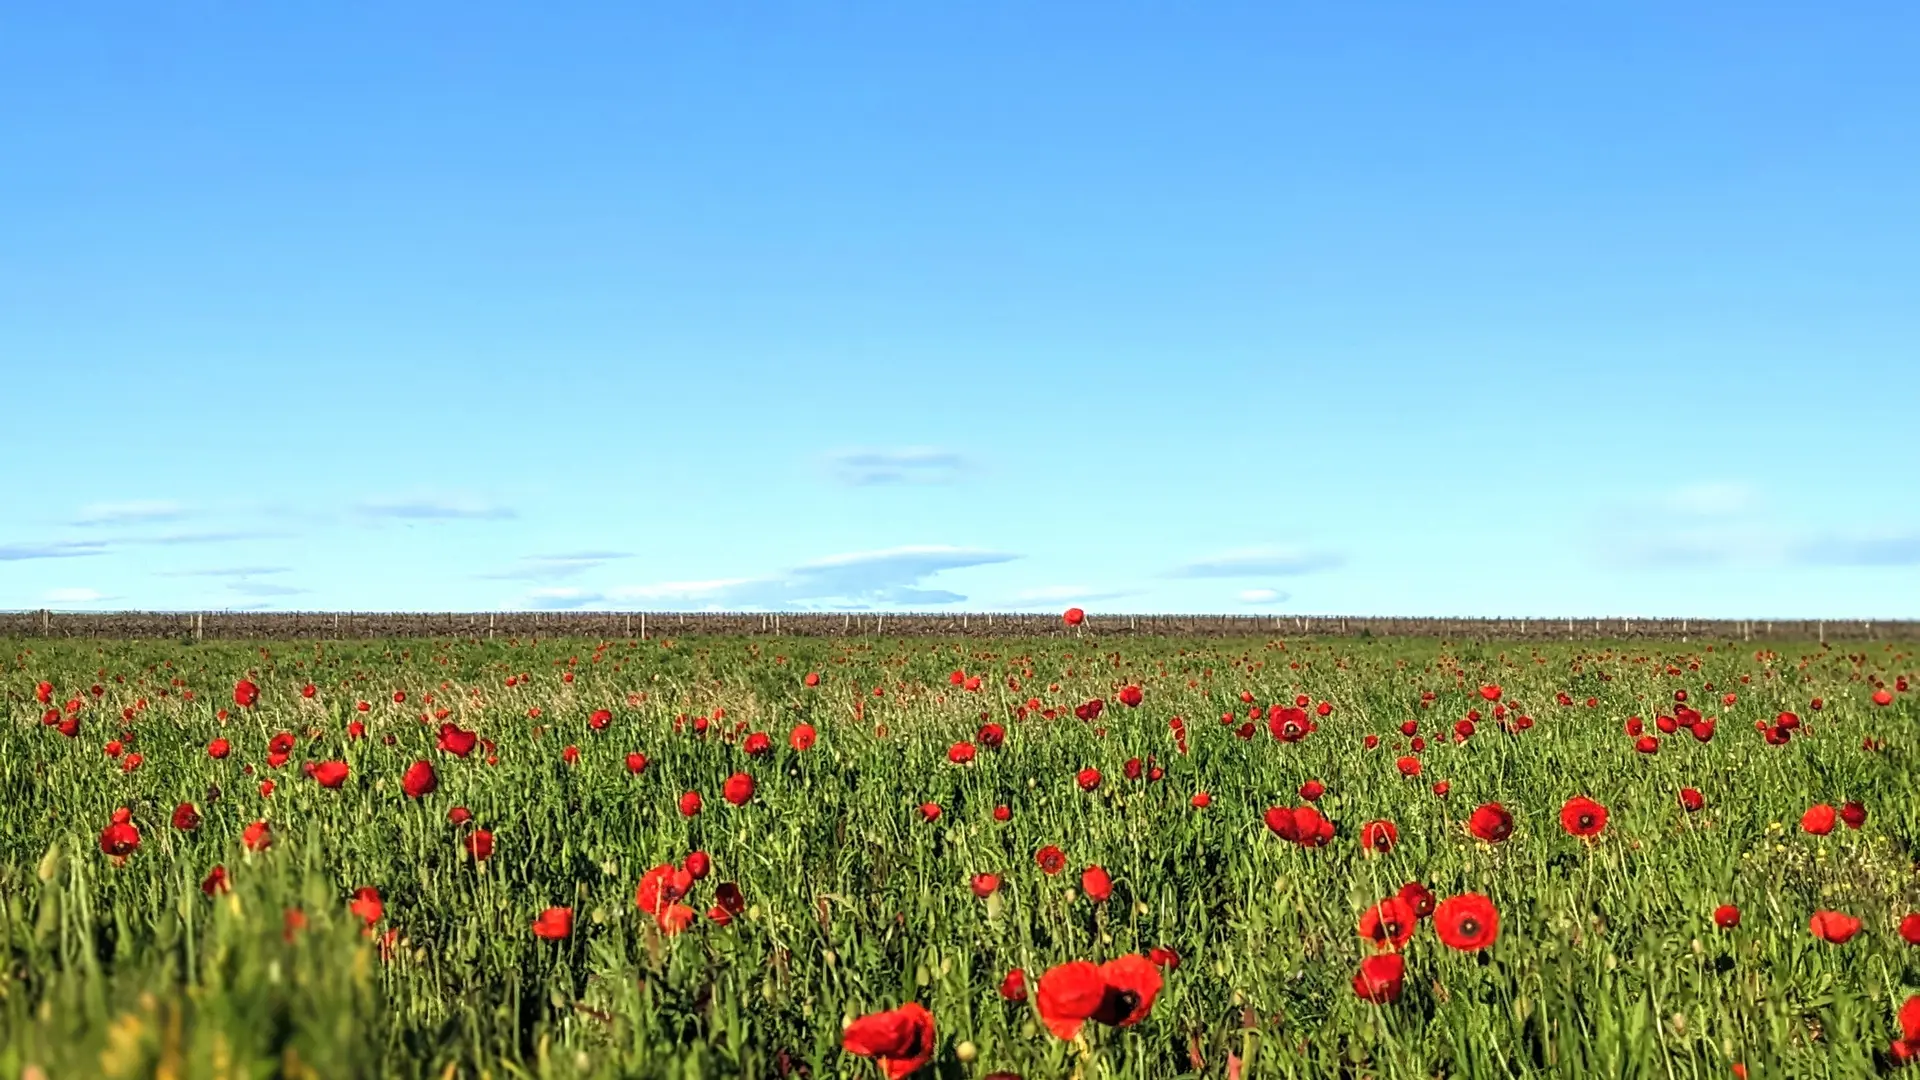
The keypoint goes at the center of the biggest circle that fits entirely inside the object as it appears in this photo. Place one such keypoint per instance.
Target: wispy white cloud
(228, 571)
(76, 596)
(434, 508)
(248, 587)
(894, 577)
(133, 512)
(1263, 596)
(1271, 561)
(1888, 548)
(556, 567)
(903, 465)
(1710, 499)
(1706, 525)
(1068, 594)
(52, 549)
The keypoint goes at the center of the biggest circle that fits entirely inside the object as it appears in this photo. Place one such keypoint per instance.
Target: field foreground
(958, 858)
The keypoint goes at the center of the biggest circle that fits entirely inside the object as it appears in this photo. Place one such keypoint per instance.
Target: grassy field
(320, 909)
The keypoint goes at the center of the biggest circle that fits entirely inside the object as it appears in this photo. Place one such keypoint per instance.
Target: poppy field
(1034, 857)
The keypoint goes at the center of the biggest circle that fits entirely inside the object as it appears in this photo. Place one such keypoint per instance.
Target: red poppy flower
(1833, 926)
(1379, 836)
(901, 1040)
(120, 838)
(738, 789)
(1089, 779)
(1389, 924)
(1014, 986)
(1818, 819)
(636, 762)
(1691, 800)
(1468, 922)
(1491, 822)
(1854, 815)
(257, 836)
(801, 737)
(1380, 978)
(1164, 958)
(1418, 897)
(1200, 801)
(1726, 916)
(1883, 696)
(245, 693)
(480, 845)
(929, 811)
(1131, 696)
(366, 904)
(960, 753)
(330, 774)
(1312, 790)
(1095, 883)
(1074, 616)
(985, 885)
(419, 780)
(1002, 812)
(676, 918)
(660, 887)
(1408, 766)
(812, 679)
(1118, 993)
(554, 924)
(1583, 817)
(690, 804)
(1051, 859)
(215, 881)
(1910, 928)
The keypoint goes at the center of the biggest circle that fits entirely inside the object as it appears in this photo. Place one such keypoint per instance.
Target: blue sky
(1397, 308)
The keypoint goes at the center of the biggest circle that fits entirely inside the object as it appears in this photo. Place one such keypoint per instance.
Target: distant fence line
(246, 626)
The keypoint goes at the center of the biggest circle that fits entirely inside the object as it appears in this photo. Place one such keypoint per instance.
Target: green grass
(1607, 964)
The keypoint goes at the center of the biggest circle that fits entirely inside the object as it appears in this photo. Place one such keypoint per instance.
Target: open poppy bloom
(554, 924)
(1833, 926)
(1491, 822)
(1118, 993)
(1389, 924)
(1380, 978)
(901, 1040)
(1468, 922)
(1379, 836)
(1582, 817)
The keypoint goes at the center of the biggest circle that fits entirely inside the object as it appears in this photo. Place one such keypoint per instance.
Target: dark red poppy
(738, 789)
(215, 881)
(1833, 926)
(902, 1040)
(185, 817)
(1853, 815)
(1418, 897)
(1131, 696)
(1490, 822)
(690, 804)
(1014, 986)
(554, 924)
(1051, 859)
(1468, 922)
(367, 905)
(419, 780)
(1389, 924)
(1726, 916)
(1095, 883)
(1312, 790)
(1583, 817)
(1380, 979)
(1379, 836)
(1818, 819)
(121, 837)
(1691, 800)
